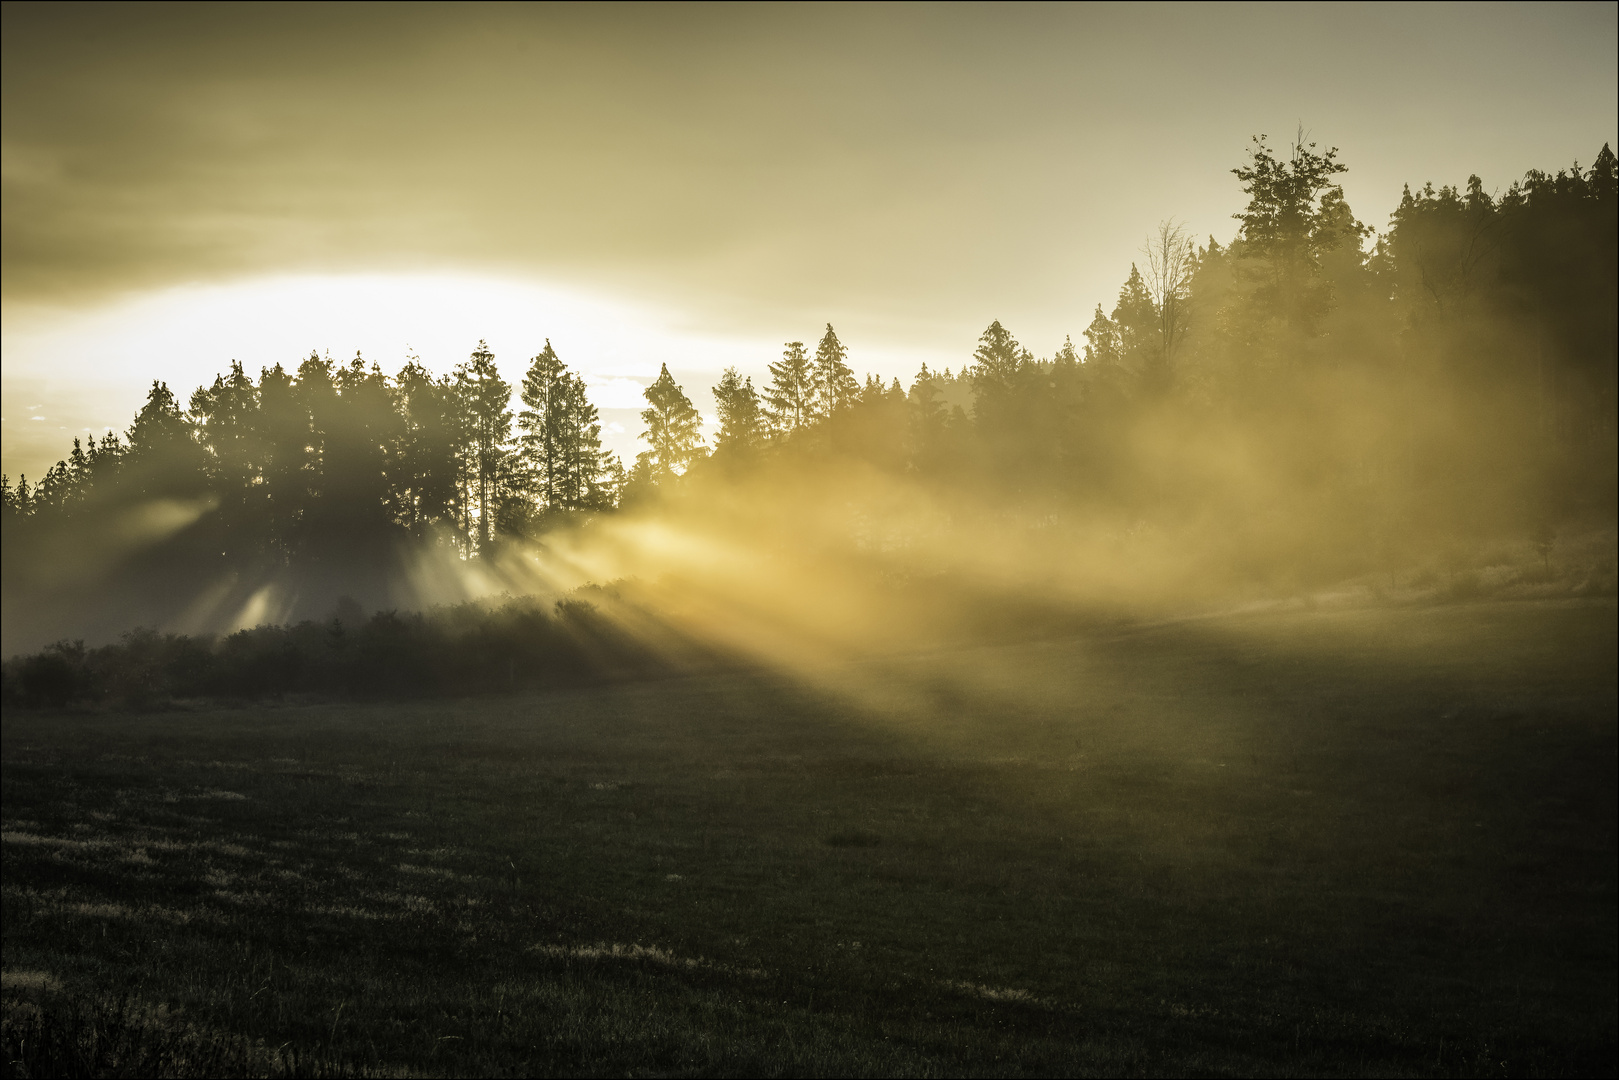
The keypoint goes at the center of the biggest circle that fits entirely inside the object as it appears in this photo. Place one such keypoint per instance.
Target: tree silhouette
(486, 463)
(543, 394)
(1170, 262)
(793, 393)
(1295, 214)
(737, 408)
(833, 379)
(673, 431)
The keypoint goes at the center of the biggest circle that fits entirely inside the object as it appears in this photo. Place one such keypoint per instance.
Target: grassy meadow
(1375, 841)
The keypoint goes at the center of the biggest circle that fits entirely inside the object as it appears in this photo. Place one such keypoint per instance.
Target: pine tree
(834, 381)
(1136, 317)
(790, 399)
(314, 391)
(579, 436)
(737, 408)
(1102, 345)
(428, 449)
(484, 397)
(22, 500)
(164, 460)
(225, 419)
(159, 422)
(283, 437)
(672, 432)
(607, 489)
(998, 361)
(562, 435)
(541, 423)
(359, 450)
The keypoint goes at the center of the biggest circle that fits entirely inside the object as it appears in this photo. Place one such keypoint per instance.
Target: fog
(1299, 414)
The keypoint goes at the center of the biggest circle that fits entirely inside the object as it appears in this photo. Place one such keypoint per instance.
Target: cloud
(907, 173)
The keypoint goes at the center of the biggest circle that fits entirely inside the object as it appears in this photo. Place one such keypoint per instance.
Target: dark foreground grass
(1375, 842)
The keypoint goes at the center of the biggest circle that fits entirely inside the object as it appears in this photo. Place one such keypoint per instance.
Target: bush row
(469, 648)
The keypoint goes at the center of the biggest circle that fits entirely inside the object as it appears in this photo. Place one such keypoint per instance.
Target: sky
(685, 184)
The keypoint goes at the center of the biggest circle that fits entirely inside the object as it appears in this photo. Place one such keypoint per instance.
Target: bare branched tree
(1168, 275)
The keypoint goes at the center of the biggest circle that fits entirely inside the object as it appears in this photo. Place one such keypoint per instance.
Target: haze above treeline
(1295, 405)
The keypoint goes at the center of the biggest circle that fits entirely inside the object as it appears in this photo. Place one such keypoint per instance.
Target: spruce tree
(484, 397)
(737, 407)
(579, 437)
(790, 399)
(998, 361)
(562, 435)
(834, 380)
(428, 449)
(673, 431)
(542, 422)
(1136, 317)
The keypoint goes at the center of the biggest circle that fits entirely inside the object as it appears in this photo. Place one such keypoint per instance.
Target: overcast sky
(186, 184)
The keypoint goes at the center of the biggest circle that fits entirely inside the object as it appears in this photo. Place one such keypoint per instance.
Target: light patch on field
(28, 980)
(32, 839)
(620, 952)
(997, 993)
(347, 911)
(648, 953)
(427, 871)
(219, 796)
(217, 847)
(58, 902)
(181, 916)
(404, 900)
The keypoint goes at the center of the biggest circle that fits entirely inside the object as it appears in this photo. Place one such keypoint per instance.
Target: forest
(1309, 402)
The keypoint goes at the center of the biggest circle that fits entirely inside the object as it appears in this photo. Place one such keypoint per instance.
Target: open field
(1377, 841)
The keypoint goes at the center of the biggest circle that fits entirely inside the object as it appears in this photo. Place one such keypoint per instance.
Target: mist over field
(1297, 410)
(851, 541)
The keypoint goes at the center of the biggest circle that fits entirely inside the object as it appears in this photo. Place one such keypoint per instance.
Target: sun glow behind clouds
(91, 368)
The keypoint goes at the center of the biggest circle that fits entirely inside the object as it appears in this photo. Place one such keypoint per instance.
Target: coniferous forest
(1309, 402)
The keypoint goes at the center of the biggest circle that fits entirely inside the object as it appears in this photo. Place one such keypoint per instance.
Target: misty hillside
(1308, 401)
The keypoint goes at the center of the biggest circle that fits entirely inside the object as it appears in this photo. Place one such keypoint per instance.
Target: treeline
(343, 453)
(1305, 380)
(471, 648)
(1465, 296)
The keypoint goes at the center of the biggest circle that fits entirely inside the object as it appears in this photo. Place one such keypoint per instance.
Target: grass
(1373, 841)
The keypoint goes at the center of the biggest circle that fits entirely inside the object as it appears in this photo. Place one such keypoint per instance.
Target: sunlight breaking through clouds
(188, 334)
